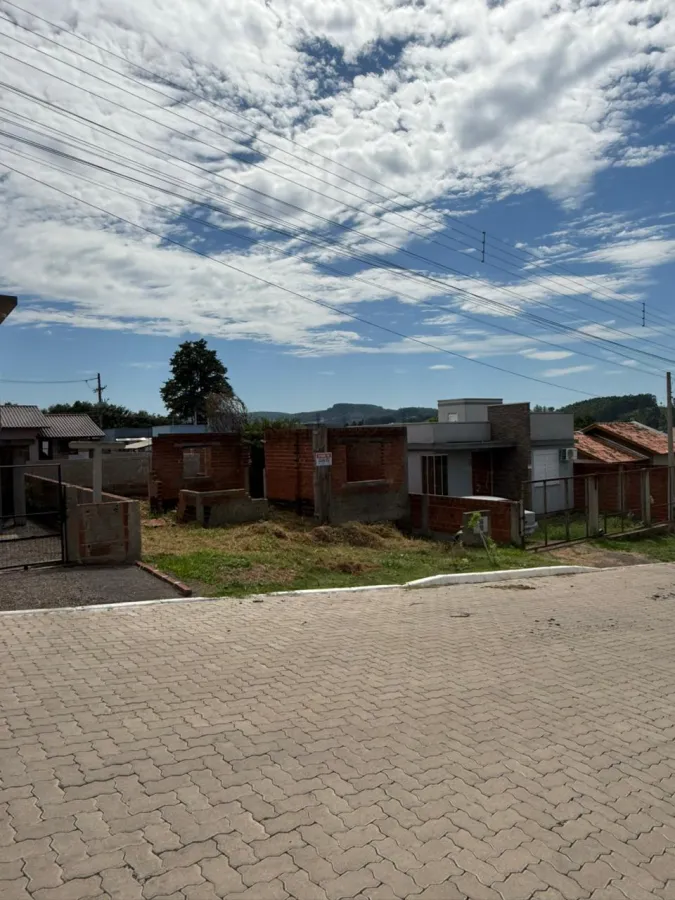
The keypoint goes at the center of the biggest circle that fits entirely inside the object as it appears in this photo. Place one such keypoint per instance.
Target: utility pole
(98, 390)
(671, 455)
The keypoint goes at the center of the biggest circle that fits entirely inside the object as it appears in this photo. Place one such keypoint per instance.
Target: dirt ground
(583, 554)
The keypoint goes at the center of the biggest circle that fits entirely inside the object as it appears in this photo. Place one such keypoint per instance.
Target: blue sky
(395, 132)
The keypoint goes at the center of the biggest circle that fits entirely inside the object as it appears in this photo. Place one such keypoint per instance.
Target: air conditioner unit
(568, 454)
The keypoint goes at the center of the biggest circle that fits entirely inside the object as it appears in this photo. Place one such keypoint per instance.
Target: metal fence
(32, 517)
(594, 504)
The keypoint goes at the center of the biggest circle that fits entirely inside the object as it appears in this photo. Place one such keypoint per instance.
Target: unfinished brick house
(205, 476)
(367, 476)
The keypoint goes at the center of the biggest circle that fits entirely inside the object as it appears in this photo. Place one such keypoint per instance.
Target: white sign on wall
(323, 459)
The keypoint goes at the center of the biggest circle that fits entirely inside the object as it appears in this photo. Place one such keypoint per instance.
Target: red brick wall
(445, 515)
(609, 488)
(227, 467)
(289, 465)
(359, 454)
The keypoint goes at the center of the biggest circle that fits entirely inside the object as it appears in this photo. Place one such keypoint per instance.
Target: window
(453, 417)
(435, 475)
(196, 462)
(545, 465)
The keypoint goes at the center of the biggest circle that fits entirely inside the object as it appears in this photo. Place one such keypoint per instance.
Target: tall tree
(196, 372)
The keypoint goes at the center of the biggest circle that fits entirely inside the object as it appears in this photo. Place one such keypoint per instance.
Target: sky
(389, 202)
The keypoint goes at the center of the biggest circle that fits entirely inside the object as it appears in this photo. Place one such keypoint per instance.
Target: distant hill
(639, 407)
(353, 414)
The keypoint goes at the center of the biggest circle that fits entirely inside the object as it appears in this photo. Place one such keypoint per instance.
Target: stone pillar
(19, 487)
(593, 505)
(97, 475)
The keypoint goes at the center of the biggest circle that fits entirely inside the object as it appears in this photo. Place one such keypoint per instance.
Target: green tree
(196, 372)
(110, 414)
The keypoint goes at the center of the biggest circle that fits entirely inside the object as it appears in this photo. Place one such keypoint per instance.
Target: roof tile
(21, 417)
(593, 447)
(634, 433)
(70, 425)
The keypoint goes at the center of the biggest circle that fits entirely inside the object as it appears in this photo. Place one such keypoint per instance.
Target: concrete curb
(432, 581)
(182, 589)
(506, 575)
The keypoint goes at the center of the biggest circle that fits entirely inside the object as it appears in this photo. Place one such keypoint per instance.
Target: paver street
(373, 745)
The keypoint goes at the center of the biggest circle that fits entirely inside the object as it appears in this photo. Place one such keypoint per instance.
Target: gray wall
(366, 506)
(552, 427)
(447, 432)
(125, 474)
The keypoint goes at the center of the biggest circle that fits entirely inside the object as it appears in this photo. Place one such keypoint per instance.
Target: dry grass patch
(287, 552)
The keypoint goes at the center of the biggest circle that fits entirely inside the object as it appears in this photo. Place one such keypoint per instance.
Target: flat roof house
(481, 445)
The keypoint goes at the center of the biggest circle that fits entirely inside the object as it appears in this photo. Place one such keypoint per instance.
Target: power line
(321, 242)
(134, 141)
(241, 236)
(359, 210)
(233, 111)
(285, 232)
(47, 381)
(335, 309)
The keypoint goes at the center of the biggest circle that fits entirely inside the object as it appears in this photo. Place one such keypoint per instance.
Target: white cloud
(484, 100)
(644, 253)
(148, 365)
(546, 354)
(440, 368)
(572, 370)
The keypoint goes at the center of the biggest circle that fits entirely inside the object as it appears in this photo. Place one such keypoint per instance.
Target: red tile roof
(636, 434)
(593, 447)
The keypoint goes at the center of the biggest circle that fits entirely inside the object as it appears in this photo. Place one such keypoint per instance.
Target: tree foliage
(196, 373)
(628, 407)
(110, 414)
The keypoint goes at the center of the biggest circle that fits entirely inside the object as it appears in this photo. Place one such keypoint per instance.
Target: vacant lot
(291, 553)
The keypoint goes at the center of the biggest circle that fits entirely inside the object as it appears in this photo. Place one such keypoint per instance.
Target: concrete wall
(552, 427)
(469, 410)
(124, 474)
(106, 533)
(445, 433)
(216, 508)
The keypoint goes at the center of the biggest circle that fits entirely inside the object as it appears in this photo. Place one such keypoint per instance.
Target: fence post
(593, 505)
(646, 498)
(322, 476)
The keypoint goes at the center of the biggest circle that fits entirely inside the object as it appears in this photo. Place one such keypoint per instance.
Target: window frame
(434, 468)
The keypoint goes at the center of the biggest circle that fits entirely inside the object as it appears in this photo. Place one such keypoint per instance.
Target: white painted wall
(465, 412)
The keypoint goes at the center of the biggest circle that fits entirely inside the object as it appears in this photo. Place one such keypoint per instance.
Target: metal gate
(32, 516)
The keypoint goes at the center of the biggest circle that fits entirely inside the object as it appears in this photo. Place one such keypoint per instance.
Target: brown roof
(636, 434)
(593, 447)
(21, 417)
(70, 425)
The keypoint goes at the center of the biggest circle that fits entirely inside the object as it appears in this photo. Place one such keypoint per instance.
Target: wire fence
(596, 504)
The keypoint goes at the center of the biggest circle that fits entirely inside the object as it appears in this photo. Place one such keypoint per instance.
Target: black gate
(32, 516)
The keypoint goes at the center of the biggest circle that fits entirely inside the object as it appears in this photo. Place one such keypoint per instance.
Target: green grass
(288, 553)
(556, 530)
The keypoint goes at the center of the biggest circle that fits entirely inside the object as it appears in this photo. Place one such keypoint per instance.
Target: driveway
(476, 742)
(57, 586)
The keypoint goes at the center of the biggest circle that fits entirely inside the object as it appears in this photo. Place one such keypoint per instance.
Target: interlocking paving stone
(342, 746)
